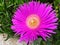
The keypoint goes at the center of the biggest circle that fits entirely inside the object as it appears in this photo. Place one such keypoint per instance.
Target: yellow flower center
(32, 21)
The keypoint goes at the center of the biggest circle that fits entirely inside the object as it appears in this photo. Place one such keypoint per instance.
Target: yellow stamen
(32, 21)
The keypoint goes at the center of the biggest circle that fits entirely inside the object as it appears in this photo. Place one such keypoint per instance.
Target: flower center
(32, 21)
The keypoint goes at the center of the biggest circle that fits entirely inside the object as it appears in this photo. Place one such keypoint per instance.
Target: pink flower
(34, 19)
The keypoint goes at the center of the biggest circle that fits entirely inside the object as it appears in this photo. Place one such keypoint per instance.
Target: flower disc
(32, 21)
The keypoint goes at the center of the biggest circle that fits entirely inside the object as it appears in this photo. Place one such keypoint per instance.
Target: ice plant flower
(34, 19)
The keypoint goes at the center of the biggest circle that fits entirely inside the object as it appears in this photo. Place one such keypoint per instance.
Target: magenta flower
(34, 19)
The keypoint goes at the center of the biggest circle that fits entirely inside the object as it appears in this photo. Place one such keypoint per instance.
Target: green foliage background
(7, 8)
